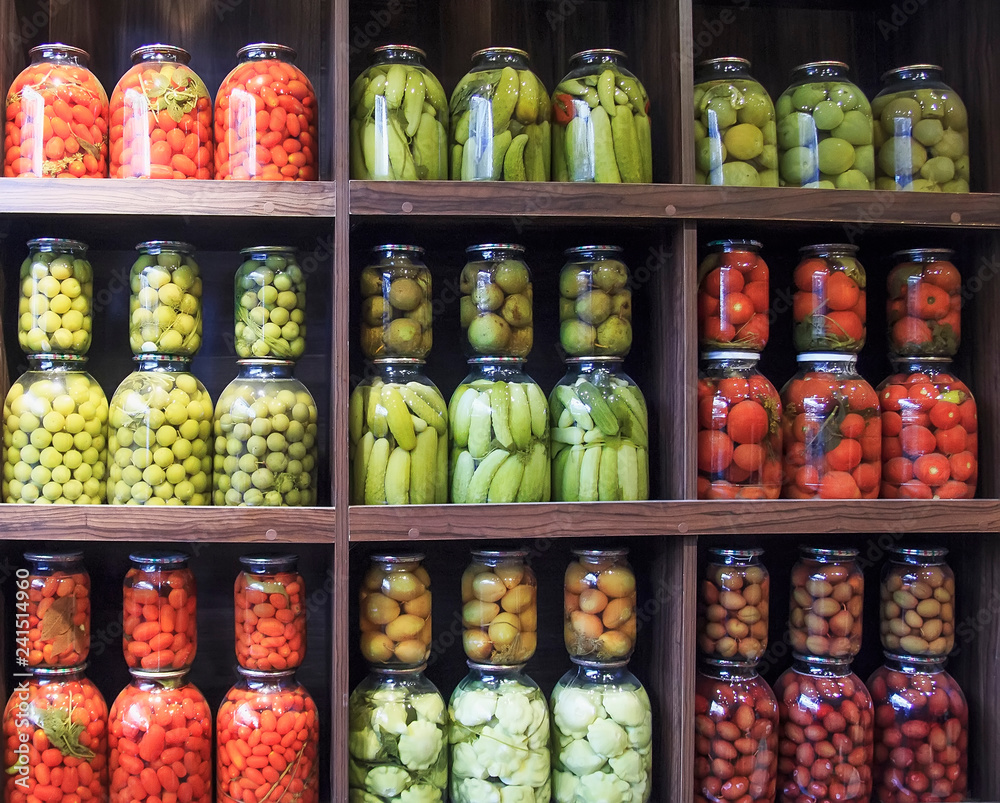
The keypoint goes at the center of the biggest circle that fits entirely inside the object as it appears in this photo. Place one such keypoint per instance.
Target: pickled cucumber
(270, 305)
(165, 302)
(55, 306)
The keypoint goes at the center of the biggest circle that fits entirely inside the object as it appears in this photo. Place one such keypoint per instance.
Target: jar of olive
(396, 313)
(595, 302)
(165, 305)
(499, 608)
(57, 290)
(496, 302)
(265, 438)
(733, 605)
(55, 434)
(396, 611)
(270, 304)
(918, 603)
(600, 602)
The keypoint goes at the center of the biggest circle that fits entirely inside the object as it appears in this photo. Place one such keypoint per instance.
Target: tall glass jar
(57, 293)
(398, 738)
(499, 608)
(165, 304)
(829, 305)
(265, 118)
(599, 606)
(930, 447)
(499, 424)
(924, 307)
(269, 599)
(159, 612)
(265, 438)
(385, 145)
(733, 297)
(828, 591)
(55, 434)
(736, 734)
(921, 731)
(161, 118)
(825, 130)
(735, 138)
(496, 302)
(56, 725)
(922, 132)
(395, 611)
(53, 606)
(600, 434)
(255, 718)
(160, 726)
(499, 736)
(58, 89)
(270, 304)
(396, 313)
(602, 735)
(733, 605)
(602, 127)
(831, 429)
(595, 302)
(739, 429)
(500, 120)
(918, 603)
(160, 436)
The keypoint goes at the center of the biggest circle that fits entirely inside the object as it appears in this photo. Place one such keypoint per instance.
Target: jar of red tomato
(270, 614)
(736, 734)
(828, 305)
(924, 307)
(733, 606)
(921, 731)
(918, 603)
(56, 612)
(827, 595)
(733, 296)
(825, 733)
(265, 119)
(159, 615)
(160, 740)
(739, 429)
(930, 446)
(57, 117)
(161, 118)
(832, 430)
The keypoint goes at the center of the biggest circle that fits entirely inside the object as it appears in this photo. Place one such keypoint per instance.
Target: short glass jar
(733, 606)
(396, 312)
(825, 606)
(733, 297)
(918, 603)
(270, 304)
(496, 302)
(159, 612)
(269, 599)
(499, 608)
(54, 609)
(395, 611)
(924, 307)
(165, 303)
(600, 606)
(55, 309)
(595, 302)
(829, 305)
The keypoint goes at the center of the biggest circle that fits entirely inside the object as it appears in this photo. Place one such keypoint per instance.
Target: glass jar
(395, 611)
(270, 304)
(396, 313)
(736, 734)
(160, 724)
(158, 96)
(55, 434)
(57, 88)
(398, 737)
(265, 118)
(389, 147)
(828, 591)
(602, 735)
(825, 130)
(599, 606)
(733, 462)
(499, 735)
(600, 434)
(165, 304)
(829, 302)
(260, 711)
(930, 446)
(499, 116)
(160, 436)
(922, 134)
(602, 126)
(924, 308)
(831, 431)
(269, 599)
(733, 297)
(159, 612)
(496, 302)
(55, 310)
(265, 438)
(921, 731)
(735, 138)
(733, 605)
(918, 603)
(54, 609)
(595, 302)
(55, 723)
(499, 608)
(827, 730)
(499, 425)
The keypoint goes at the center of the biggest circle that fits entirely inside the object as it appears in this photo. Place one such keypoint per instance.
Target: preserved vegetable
(828, 591)
(829, 305)
(924, 308)
(599, 606)
(733, 605)
(733, 297)
(165, 304)
(496, 302)
(57, 610)
(395, 609)
(269, 598)
(270, 304)
(396, 313)
(159, 612)
(918, 603)
(499, 608)
(55, 310)
(595, 303)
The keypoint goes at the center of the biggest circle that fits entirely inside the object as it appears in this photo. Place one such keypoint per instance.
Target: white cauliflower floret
(601, 787)
(629, 766)
(472, 790)
(421, 793)
(580, 759)
(364, 744)
(390, 717)
(466, 763)
(607, 738)
(519, 794)
(514, 713)
(531, 770)
(625, 707)
(387, 781)
(421, 745)
(429, 706)
(564, 786)
(474, 708)
(575, 710)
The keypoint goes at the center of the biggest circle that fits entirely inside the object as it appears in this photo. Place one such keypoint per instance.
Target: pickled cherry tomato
(829, 303)
(924, 304)
(270, 613)
(160, 629)
(733, 296)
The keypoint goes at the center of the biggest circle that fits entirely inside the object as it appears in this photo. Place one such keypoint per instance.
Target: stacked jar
(257, 754)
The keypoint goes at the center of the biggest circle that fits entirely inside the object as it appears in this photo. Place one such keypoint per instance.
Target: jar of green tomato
(270, 304)
(165, 306)
(57, 290)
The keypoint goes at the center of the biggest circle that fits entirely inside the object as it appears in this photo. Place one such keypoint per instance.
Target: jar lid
(405, 48)
(825, 356)
(410, 249)
(806, 250)
(730, 355)
(898, 71)
(259, 674)
(495, 361)
(80, 359)
(735, 60)
(264, 361)
(58, 48)
(601, 553)
(726, 663)
(824, 553)
(731, 244)
(162, 359)
(157, 558)
(499, 553)
(260, 50)
(507, 669)
(411, 557)
(614, 249)
(177, 53)
(399, 361)
(397, 670)
(599, 51)
(55, 243)
(155, 674)
(156, 246)
(510, 51)
(601, 359)
(750, 552)
(588, 664)
(914, 254)
(261, 564)
(57, 671)
(809, 65)
(821, 660)
(267, 249)
(474, 249)
(919, 552)
(917, 661)
(54, 557)
(902, 358)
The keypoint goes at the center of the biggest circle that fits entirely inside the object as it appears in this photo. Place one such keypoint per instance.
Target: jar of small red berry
(733, 296)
